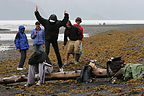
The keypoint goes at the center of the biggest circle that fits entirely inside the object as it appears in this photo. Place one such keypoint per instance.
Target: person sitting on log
(38, 58)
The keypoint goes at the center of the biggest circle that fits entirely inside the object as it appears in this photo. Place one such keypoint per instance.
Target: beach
(104, 42)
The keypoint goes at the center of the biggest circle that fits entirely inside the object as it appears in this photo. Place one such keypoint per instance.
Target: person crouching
(38, 58)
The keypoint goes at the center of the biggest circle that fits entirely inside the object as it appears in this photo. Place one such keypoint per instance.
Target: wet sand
(100, 46)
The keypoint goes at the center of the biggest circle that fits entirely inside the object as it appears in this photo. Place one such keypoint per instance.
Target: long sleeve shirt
(73, 34)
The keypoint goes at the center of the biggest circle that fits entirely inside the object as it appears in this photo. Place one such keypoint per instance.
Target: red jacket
(79, 28)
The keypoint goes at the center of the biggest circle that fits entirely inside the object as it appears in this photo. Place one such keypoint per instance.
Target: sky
(86, 9)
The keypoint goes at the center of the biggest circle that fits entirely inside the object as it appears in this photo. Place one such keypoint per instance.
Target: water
(29, 24)
(8, 29)
(9, 37)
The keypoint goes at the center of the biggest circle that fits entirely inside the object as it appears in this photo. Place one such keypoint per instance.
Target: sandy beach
(105, 41)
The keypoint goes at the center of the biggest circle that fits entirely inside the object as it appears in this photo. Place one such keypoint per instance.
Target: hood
(21, 27)
(53, 18)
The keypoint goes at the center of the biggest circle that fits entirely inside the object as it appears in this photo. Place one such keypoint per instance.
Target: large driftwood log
(52, 76)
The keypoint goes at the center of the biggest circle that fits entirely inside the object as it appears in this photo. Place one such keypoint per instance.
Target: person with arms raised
(51, 27)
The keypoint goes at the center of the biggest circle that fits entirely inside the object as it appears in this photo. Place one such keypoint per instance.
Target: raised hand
(36, 8)
(65, 11)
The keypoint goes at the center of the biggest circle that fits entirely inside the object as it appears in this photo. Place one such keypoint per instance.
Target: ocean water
(8, 29)
(12, 25)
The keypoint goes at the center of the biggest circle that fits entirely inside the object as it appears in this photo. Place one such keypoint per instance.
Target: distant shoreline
(91, 29)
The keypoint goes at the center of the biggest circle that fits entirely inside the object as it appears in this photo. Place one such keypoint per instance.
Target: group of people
(42, 38)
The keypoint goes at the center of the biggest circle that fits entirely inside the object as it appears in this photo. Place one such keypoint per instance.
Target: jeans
(38, 47)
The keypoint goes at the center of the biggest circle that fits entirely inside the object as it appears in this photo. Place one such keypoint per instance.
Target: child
(78, 20)
(21, 43)
(37, 35)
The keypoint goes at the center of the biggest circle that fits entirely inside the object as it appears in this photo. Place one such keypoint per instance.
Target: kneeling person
(38, 58)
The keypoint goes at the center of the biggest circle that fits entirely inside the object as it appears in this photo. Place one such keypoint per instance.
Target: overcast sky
(86, 9)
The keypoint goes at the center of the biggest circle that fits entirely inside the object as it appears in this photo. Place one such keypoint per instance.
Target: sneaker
(61, 69)
(23, 68)
(75, 62)
(38, 83)
(27, 85)
(19, 68)
(66, 63)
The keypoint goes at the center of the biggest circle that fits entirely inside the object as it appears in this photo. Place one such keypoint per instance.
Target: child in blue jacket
(37, 35)
(21, 43)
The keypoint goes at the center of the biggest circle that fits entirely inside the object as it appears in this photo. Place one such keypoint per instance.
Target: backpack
(16, 37)
(38, 57)
(86, 74)
(114, 64)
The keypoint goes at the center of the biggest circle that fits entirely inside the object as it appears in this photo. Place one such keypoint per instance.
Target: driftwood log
(52, 76)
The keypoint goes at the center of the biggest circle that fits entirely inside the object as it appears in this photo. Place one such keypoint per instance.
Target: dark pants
(78, 56)
(56, 49)
(38, 47)
(22, 59)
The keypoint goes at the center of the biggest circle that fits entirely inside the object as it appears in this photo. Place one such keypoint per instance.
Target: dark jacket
(73, 33)
(51, 29)
(39, 37)
(38, 57)
(21, 41)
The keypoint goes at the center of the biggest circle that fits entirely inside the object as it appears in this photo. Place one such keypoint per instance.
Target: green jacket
(132, 71)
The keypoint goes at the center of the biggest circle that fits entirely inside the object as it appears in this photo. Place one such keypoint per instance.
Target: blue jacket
(21, 41)
(39, 37)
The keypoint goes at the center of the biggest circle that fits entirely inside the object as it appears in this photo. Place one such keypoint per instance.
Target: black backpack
(114, 65)
(85, 75)
(17, 36)
(38, 57)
